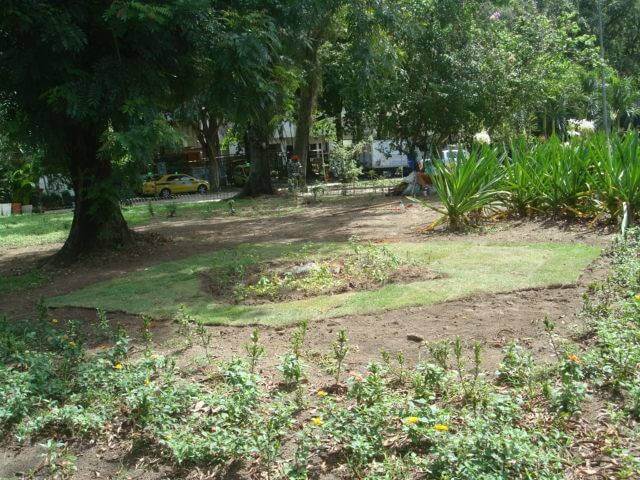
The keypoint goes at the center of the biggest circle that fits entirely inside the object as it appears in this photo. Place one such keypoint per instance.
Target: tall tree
(71, 72)
(328, 33)
(75, 75)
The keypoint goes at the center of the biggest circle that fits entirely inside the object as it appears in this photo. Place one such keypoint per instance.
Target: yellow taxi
(165, 186)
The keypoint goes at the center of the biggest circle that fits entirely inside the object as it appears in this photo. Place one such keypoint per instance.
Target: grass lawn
(41, 229)
(468, 268)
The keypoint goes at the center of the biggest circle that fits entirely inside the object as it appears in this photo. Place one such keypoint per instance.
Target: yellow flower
(317, 421)
(118, 366)
(573, 358)
(441, 428)
(147, 381)
(54, 321)
(72, 343)
(637, 297)
(322, 393)
(411, 420)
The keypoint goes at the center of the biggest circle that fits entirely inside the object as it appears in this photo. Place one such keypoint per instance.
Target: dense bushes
(441, 419)
(585, 178)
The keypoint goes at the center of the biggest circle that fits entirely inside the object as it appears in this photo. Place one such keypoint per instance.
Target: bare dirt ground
(493, 320)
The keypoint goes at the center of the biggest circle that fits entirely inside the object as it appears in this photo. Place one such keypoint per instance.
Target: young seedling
(57, 460)
(440, 352)
(147, 335)
(103, 324)
(205, 336)
(184, 322)
(231, 204)
(298, 337)
(402, 368)
(172, 210)
(340, 350)
(42, 311)
(549, 328)
(254, 350)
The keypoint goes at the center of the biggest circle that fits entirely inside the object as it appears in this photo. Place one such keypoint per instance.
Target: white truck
(385, 155)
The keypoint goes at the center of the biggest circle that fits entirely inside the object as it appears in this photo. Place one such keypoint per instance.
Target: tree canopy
(95, 87)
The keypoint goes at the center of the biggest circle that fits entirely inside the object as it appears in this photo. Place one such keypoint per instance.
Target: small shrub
(516, 367)
(344, 162)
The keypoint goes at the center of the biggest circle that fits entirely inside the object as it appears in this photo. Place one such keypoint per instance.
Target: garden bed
(280, 281)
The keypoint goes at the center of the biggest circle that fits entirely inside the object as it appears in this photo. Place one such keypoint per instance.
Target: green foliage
(340, 350)
(468, 186)
(292, 369)
(344, 162)
(516, 368)
(254, 350)
(589, 177)
(616, 173)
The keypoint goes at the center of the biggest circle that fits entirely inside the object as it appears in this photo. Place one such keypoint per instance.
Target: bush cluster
(589, 177)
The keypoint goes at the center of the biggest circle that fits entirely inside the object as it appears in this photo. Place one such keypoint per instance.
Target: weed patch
(363, 267)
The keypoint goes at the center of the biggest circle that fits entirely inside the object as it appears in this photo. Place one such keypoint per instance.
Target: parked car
(166, 185)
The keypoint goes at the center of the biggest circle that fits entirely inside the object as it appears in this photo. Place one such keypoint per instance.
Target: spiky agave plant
(616, 178)
(467, 186)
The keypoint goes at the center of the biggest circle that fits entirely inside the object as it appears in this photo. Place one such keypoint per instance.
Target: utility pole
(605, 107)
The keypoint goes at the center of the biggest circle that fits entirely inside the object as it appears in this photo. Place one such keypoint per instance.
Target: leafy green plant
(616, 175)
(298, 337)
(204, 336)
(57, 461)
(104, 327)
(171, 209)
(185, 325)
(467, 187)
(254, 350)
(572, 390)
(344, 162)
(292, 369)
(146, 332)
(516, 367)
(340, 349)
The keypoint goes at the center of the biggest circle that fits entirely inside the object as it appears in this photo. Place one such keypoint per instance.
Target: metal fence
(350, 190)
(187, 198)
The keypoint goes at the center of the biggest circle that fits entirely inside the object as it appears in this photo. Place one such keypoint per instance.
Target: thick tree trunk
(304, 118)
(97, 218)
(214, 159)
(210, 141)
(257, 148)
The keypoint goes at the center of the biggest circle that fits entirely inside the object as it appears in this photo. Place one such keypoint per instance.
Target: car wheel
(165, 193)
(202, 189)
